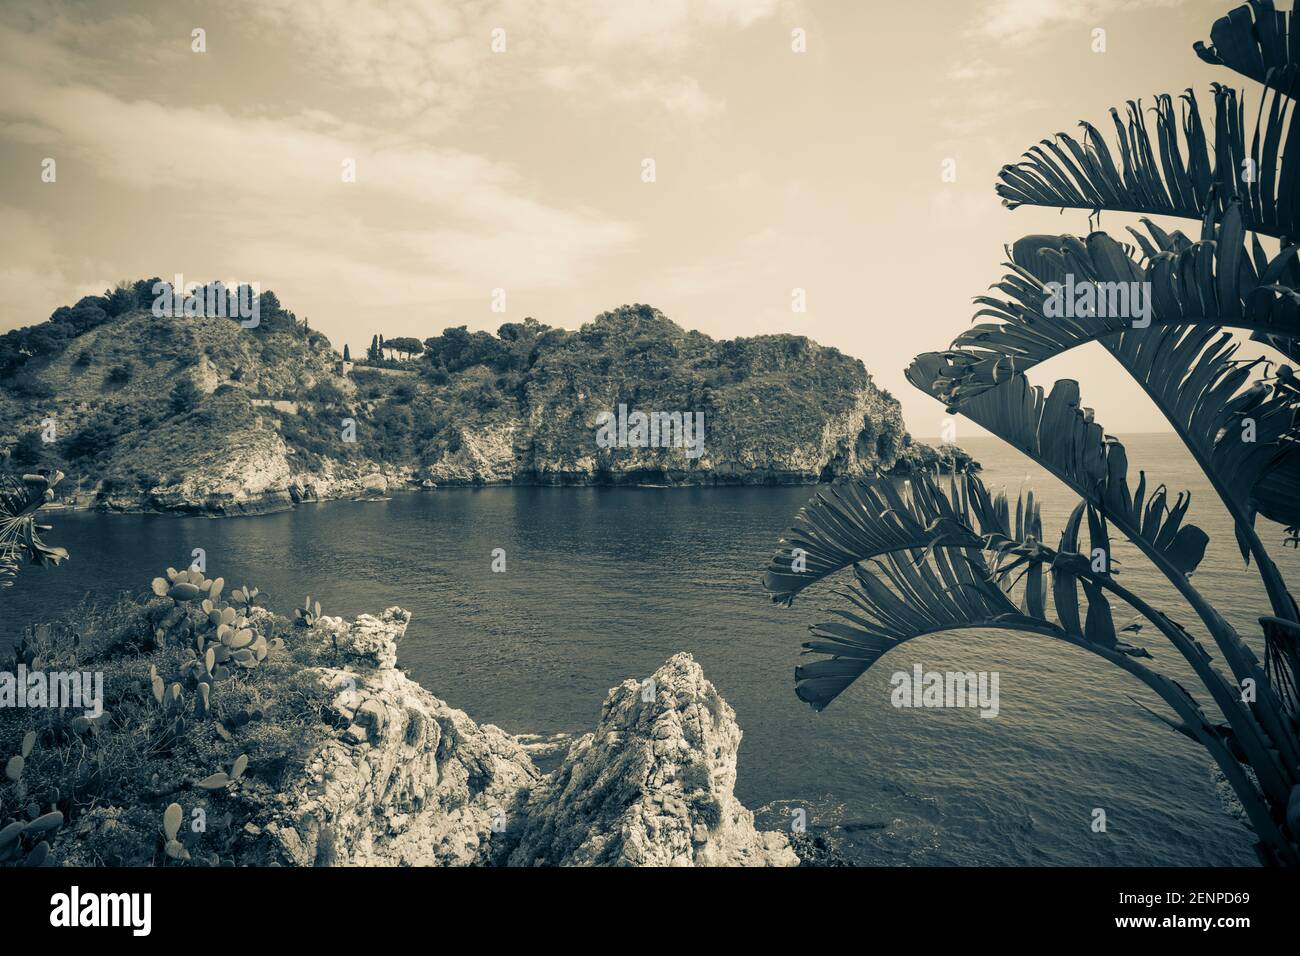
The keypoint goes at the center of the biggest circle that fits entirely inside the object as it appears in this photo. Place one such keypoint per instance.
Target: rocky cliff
(404, 779)
(202, 415)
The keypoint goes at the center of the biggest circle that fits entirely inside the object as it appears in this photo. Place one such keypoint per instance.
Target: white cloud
(976, 70)
(266, 195)
(1015, 22)
(435, 59)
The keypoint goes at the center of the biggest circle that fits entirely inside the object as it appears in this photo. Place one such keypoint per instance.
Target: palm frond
(857, 520)
(912, 596)
(1281, 653)
(1182, 360)
(946, 587)
(1173, 176)
(1206, 283)
(20, 534)
(1257, 41)
(1055, 431)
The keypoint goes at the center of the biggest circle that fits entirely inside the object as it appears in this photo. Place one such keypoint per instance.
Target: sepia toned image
(855, 440)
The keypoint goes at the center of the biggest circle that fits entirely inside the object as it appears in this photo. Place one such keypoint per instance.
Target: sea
(604, 584)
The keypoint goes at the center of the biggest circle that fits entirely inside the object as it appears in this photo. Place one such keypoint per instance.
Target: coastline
(369, 488)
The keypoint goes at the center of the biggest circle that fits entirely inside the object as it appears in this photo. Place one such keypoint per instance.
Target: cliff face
(408, 780)
(200, 415)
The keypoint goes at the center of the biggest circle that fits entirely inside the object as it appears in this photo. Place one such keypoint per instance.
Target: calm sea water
(605, 584)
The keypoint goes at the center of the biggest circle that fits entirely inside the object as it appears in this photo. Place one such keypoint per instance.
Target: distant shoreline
(278, 505)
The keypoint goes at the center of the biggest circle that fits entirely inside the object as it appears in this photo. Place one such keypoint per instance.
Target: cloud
(1016, 22)
(976, 70)
(436, 60)
(263, 194)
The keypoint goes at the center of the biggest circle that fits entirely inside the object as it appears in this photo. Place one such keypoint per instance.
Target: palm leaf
(1206, 283)
(1061, 436)
(1257, 41)
(20, 534)
(914, 592)
(1173, 176)
(857, 520)
(1055, 431)
(1188, 370)
(945, 591)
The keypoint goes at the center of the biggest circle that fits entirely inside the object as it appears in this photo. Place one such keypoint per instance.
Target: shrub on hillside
(26, 385)
(119, 375)
(29, 450)
(185, 397)
(326, 393)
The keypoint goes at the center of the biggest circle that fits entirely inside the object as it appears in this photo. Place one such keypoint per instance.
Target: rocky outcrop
(484, 456)
(405, 779)
(652, 786)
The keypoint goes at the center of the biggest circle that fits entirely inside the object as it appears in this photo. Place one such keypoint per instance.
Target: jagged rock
(369, 641)
(412, 781)
(415, 782)
(652, 786)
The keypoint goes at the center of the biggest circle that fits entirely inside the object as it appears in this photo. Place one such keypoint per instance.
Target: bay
(603, 584)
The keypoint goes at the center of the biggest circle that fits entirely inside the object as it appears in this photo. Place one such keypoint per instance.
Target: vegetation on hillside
(208, 709)
(139, 399)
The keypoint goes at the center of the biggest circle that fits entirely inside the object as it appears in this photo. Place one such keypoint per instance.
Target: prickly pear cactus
(24, 836)
(308, 614)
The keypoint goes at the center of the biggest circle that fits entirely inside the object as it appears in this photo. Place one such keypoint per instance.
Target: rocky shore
(327, 754)
(411, 781)
(202, 493)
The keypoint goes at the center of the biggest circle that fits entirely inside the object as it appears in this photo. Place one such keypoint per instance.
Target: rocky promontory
(200, 415)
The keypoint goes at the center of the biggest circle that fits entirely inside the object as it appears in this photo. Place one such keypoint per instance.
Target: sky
(503, 145)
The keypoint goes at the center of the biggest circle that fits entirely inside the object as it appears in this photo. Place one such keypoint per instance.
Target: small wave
(535, 744)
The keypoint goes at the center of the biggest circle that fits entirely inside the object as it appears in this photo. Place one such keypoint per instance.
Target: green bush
(119, 375)
(326, 393)
(26, 385)
(29, 450)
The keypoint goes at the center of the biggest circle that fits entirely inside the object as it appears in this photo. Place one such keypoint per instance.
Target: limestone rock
(369, 641)
(405, 779)
(652, 786)
(411, 782)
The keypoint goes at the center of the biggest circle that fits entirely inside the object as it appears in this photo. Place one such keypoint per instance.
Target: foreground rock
(652, 786)
(408, 780)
